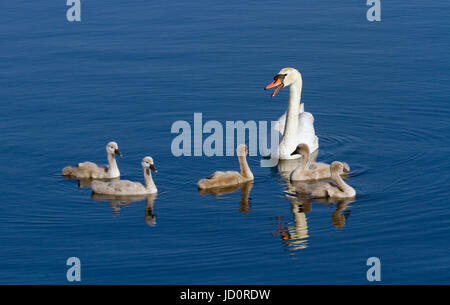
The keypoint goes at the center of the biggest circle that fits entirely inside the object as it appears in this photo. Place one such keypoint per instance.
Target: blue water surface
(379, 92)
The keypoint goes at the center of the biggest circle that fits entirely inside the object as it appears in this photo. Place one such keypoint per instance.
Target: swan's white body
(295, 126)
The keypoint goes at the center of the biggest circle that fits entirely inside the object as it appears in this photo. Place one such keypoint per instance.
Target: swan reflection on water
(116, 202)
(294, 237)
(245, 193)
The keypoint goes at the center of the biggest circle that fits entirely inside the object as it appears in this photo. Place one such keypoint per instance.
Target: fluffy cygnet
(92, 170)
(126, 187)
(307, 170)
(222, 179)
(336, 189)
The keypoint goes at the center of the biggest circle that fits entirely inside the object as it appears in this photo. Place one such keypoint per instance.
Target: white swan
(92, 170)
(229, 178)
(126, 187)
(310, 170)
(295, 126)
(336, 189)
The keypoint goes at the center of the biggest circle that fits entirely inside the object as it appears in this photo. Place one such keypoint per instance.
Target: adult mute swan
(126, 187)
(223, 179)
(309, 170)
(295, 126)
(322, 189)
(92, 170)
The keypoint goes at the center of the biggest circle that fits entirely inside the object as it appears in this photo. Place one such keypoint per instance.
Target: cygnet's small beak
(275, 83)
(152, 167)
(117, 152)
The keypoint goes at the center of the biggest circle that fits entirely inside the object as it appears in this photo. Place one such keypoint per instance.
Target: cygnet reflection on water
(116, 202)
(245, 187)
(295, 236)
(340, 214)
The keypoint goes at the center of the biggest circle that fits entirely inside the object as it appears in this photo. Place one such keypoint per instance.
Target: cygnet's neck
(113, 169)
(303, 163)
(305, 159)
(245, 169)
(344, 187)
(149, 184)
(294, 110)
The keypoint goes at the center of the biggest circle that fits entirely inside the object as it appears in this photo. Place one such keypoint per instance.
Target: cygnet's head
(242, 150)
(337, 167)
(302, 149)
(112, 148)
(284, 78)
(147, 164)
(346, 167)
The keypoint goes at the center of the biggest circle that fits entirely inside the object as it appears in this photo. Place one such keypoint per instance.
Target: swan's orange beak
(275, 83)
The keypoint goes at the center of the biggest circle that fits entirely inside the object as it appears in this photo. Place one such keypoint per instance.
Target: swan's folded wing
(279, 125)
(307, 132)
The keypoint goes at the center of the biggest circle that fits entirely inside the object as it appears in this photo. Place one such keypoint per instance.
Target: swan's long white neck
(149, 183)
(293, 111)
(113, 169)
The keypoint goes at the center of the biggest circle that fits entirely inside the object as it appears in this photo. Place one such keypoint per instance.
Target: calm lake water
(378, 91)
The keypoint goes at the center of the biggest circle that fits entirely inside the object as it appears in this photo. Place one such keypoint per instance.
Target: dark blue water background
(379, 93)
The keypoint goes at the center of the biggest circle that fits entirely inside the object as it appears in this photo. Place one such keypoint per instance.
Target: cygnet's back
(222, 179)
